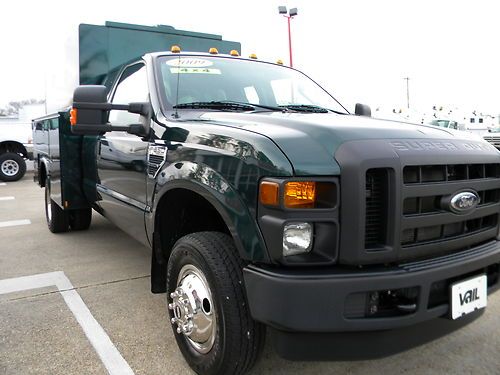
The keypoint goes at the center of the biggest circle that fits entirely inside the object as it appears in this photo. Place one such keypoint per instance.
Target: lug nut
(172, 320)
(172, 295)
(179, 330)
(171, 306)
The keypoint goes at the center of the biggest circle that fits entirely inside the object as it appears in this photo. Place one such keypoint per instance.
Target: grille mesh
(376, 208)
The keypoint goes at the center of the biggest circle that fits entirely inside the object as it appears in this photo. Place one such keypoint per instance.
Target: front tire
(12, 167)
(207, 305)
(57, 218)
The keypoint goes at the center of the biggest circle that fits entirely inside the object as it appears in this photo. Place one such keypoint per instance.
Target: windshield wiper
(305, 108)
(231, 106)
(227, 105)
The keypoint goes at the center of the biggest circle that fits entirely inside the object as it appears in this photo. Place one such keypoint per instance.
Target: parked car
(16, 145)
(449, 124)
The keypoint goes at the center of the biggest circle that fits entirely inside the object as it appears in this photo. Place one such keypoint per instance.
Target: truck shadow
(361, 353)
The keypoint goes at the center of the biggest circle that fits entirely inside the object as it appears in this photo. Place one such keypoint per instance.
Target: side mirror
(90, 112)
(362, 110)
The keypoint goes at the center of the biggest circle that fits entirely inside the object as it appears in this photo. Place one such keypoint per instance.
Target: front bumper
(314, 301)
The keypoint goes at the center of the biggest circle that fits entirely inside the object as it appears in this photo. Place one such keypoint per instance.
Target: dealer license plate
(468, 296)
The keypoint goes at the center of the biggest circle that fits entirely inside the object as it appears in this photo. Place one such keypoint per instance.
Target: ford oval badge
(464, 202)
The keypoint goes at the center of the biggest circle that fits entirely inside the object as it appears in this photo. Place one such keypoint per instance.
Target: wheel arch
(43, 172)
(237, 223)
(14, 147)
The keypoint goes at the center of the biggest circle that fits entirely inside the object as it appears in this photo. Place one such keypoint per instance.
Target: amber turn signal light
(73, 116)
(269, 193)
(300, 194)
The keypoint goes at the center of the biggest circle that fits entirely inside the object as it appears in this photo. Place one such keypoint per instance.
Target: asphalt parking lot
(93, 292)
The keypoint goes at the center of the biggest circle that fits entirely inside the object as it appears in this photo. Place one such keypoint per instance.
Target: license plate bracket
(468, 295)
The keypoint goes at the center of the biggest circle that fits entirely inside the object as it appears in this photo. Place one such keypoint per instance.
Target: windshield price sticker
(190, 62)
(194, 71)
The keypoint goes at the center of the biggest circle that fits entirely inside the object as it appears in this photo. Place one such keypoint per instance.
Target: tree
(13, 107)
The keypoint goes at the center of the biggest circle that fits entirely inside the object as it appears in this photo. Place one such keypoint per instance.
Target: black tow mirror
(89, 115)
(362, 110)
(90, 112)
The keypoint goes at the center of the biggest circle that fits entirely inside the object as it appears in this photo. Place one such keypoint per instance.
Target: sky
(359, 50)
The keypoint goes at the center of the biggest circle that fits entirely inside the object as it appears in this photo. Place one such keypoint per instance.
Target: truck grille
(494, 140)
(444, 173)
(428, 227)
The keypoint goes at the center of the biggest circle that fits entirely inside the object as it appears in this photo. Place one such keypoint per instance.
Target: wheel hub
(10, 168)
(193, 309)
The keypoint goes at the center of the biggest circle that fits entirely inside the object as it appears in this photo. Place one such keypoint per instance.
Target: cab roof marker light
(234, 53)
(213, 51)
(279, 62)
(253, 56)
(175, 49)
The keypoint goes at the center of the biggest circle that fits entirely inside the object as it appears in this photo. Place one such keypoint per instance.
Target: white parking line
(7, 198)
(14, 223)
(2, 184)
(110, 356)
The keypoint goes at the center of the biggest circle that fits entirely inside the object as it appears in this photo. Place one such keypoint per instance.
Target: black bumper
(314, 301)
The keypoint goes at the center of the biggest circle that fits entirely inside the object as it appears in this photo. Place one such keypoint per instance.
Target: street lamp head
(293, 12)
(282, 10)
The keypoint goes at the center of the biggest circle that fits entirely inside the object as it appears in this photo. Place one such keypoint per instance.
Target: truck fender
(210, 185)
(43, 164)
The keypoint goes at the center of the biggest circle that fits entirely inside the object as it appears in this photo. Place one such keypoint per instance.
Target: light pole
(288, 15)
(407, 79)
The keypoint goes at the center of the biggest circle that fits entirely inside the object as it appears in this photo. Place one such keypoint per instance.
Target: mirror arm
(101, 106)
(140, 108)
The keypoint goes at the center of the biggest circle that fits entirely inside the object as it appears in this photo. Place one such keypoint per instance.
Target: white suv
(16, 145)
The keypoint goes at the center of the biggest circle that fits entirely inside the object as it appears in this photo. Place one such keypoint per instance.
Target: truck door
(121, 159)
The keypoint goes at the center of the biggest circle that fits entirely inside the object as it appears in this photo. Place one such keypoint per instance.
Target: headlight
(297, 238)
(298, 194)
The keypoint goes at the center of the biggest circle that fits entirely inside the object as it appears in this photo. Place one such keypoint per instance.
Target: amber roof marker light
(175, 49)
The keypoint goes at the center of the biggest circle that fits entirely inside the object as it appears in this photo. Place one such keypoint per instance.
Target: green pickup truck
(265, 203)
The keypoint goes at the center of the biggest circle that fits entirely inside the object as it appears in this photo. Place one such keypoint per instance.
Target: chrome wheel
(10, 168)
(193, 309)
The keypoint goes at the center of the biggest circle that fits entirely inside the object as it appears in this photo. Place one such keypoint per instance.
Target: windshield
(204, 81)
(441, 123)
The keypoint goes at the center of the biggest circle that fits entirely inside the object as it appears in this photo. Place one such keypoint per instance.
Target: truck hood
(309, 140)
